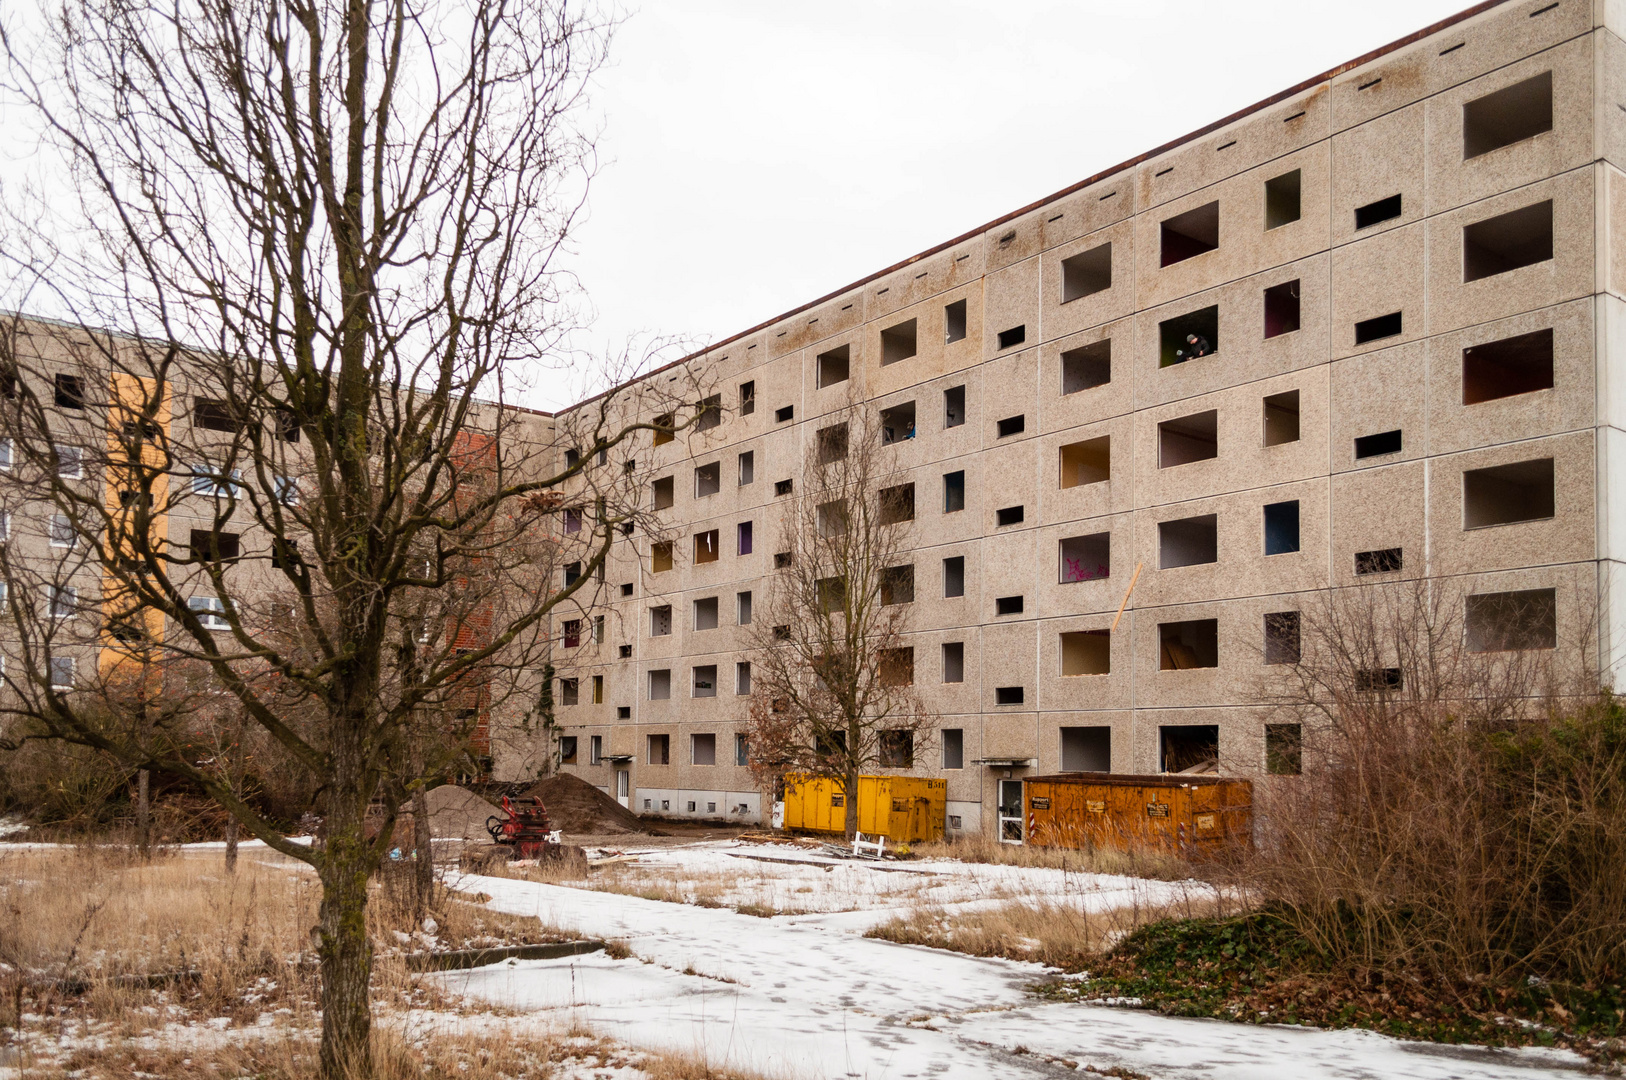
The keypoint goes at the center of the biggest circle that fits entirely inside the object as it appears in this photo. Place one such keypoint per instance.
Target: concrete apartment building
(1405, 278)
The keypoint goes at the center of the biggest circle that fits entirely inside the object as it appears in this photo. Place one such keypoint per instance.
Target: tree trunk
(347, 955)
(231, 845)
(143, 814)
(851, 780)
(423, 854)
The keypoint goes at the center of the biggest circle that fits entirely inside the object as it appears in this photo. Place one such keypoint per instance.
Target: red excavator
(526, 830)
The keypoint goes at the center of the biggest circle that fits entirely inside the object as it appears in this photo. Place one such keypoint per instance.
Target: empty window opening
(1515, 365)
(1086, 273)
(1384, 442)
(660, 689)
(898, 585)
(742, 608)
(1086, 652)
(705, 613)
(1189, 336)
(1189, 439)
(1012, 425)
(1284, 749)
(954, 322)
(748, 398)
(744, 537)
(954, 661)
(832, 519)
(660, 621)
(660, 557)
(1508, 241)
(1380, 561)
(214, 415)
(626, 588)
(897, 423)
(1282, 418)
(664, 432)
(782, 487)
(831, 444)
(660, 746)
(1008, 605)
(705, 683)
(1190, 541)
(1509, 115)
(1086, 367)
(1506, 494)
(898, 342)
(708, 479)
(1085, 558)
(1281, 309)
(1187, 235)
(896, 667)
(748, 467)
(953, 491)
(1374, 213)
(785, 414)
(1283, 637)
(1378, 328)
(711, 413)
(569, 692)
(703, 748)
(1188, 748)
(69, 392)
(1282, 199)
(623, 712)
(1086, 749)
(1013, 337)
(1009, 515)
(1375, 680)
(663, 492)
(896, 749)
(954, 406)
(216, 546)
(1281, 527)
(954, 576)
(1087, 462)
(1009, 695)
(742, 688)
(832, 367)
(1498, 622)
(831, 593)
(953, 748)
(573, 573)
(897, 504)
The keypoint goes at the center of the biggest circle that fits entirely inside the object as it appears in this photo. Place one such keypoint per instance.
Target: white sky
(757, 155)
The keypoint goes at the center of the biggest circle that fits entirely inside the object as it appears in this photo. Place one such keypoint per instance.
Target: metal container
(1170, 813)
(904, 809)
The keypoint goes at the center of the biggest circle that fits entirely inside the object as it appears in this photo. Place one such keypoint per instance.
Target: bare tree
(833, 675)
(328, 233)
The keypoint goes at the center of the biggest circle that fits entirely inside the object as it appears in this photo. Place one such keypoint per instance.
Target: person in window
(1196, 345)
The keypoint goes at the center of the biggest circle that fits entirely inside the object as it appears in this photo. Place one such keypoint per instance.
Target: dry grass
(985, 848)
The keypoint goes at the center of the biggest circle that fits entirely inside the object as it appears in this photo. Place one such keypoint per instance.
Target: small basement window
(1284, 749)
(1282, 199)
(1508, 241)
(898, 342)
(1009, 695)
(1189, 336)
(662, 490)
(1086, 367)
(1009, 515)
(1507, 494)
(1509, 115)
(897, 423)
(953, 406)
(1282, 527)
(1086, 652)
(1187, 235)
(1283, 637)
(1012, 425)
(1008, 605)
(1282, 418)
(1375, 213)
(1086, 273)
(708, 479)
(1380, 561)
(1281, 309)
(1515, 365)
(1378, 328)
(1189, 439)
(1191, 541)
(1189, 748)
(1013, 337)
(1086, 749)
(1384, 442)
(1499, 622)
(897, 504)
(831, 443)
(832, 367)
(1085, 558)
(1087, 462)
(1190, 644)
(954, 322)
(953, 491)
(784, 415)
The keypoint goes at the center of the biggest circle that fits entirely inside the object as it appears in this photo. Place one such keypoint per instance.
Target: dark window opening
(1282, 418)
(898, 585)
(1509, 115)
(214, 546)
(1378, 328)
(1085, 558)
(1188, 439)
(573, 573)
(1192, 748)
(953, 491)
(748, 398)
(568, 695)
(1086, 367)
(1283, 637)
(1087, 462)
(1009, 695)
(1284, 749)
(626, 588)
(1008, 515)
(1187, 235)
(781, 487)
(1191, 541)
(748, 467)
(954, 406)
(897, 423)
(744, 538)
(660, 557)
(1499, 622)
(954, 576)
(70, 392)
(1281, 527)
(897, 504)
(1508, 241)
(572, 457)
(706, 547)
(664, 430)
(831, 444)
(784, 415)
(663, 492)
(1008, 605)
(711, 413)
(1013, 337)
(214, 415)
(832, 367)
(1086, 273)
(1374, 213)
(898, 342)
(1381, 561)
(1376, 680)
(708, 479)
(287, 425)
(781, 559)
(1282, 199)
(1086, 652)
(1281, 309)
(1012, 425)
(285, 554)
(1515, 365)
(897, 749)
(1384, 442)
(1507, 494)
(954, 322)
(954, 661)
(953, 748)
(1189, 336)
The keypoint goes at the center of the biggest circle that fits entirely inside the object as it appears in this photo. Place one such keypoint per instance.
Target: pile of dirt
(456, 813)
(575, 806)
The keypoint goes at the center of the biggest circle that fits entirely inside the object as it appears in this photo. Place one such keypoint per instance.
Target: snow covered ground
(805, 996)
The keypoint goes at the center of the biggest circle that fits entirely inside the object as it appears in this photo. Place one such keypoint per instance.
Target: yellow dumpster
(904, 809)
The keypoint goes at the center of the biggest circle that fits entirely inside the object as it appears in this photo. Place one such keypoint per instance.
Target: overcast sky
(757, 155)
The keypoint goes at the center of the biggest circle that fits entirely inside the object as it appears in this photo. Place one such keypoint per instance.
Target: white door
(1010, 811)
(623, 787)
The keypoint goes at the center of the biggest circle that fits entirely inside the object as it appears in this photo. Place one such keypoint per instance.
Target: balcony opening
(897, 504)
(1187, 235)
(1512, 114)
(898, 342)
(1009, 695)
(1086, 273)
(1009, 515)
(1384, 442)
(1085, 558)
(1515, 365)
(954, 661)
(954, 577)
(1281, 309)
(1507, 494)
(1282, 527)
(831, 444)
(1500, 622)
(1189, 336)
(953, 406)
(1378, 328)
(708, 479)
(705, 613)
(1187, 645)
(953, 491)
(1011, 425)
(1189, 439)
(1013, 337)
(1283, 637)
(1508, 241)
(832, 367)
(898, 585)
(1086, 367)
(1282, 199)
(1191, 541)
(1282, 418)
(706, 547)
(1086, 749)
(897, 423)
(1284, 749)
(1086, 652)
(1087, 462)
(1375, 213)
(954, 322)
(663, 491)
(1189, 748)
(1008, 605)
(1379, 561)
